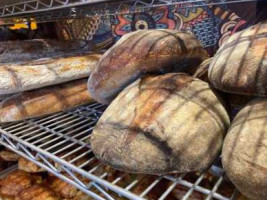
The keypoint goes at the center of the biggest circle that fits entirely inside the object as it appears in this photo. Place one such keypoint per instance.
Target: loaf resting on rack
(140, 52)
(28, 50)
(44, 101)
(244, 152)
(240, 65)
(162, 124)
(17, 78)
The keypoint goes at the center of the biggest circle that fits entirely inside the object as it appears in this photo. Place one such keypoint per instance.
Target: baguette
(141, 52)
(27, 50)
(44, 101)
(19, 78)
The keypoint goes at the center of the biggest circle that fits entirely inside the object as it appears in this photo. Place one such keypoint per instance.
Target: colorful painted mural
(211, 24)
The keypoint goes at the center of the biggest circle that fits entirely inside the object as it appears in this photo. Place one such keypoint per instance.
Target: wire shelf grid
(52, 10)
(59, 144)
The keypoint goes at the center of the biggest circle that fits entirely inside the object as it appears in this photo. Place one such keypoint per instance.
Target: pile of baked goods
(162, 118)
(170, 106)
(41, 77)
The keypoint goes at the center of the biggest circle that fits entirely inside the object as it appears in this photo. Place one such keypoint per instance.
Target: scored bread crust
(44, 101)
(141, 52)
(240, 64)
(19, 78)
(162, 124)
(244, 154)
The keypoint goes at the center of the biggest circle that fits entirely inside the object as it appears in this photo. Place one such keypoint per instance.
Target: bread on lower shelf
(9, 156)
(162, 124)
(44, 101)
(17, 181)
(37, 192)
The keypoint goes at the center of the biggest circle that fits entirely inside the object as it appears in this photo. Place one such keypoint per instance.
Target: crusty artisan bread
(15, 182)
(244, 154)
(44, 101)
(162, 124)
(240, 65)
(28, 50)
(139, 52)
(201, 72)
(18, 78)
(38, 192)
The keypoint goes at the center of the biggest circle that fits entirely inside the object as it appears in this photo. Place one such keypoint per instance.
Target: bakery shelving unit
(67, 9)
(59, 143)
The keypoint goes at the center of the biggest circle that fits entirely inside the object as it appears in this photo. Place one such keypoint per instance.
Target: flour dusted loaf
(44, 101)
(27, 50)
(240, 65)
(162, 124)
(244, 152)
(145, 51)
(18, 78)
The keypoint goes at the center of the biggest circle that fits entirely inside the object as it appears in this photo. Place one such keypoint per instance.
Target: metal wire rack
(41, 10)
(59, 144)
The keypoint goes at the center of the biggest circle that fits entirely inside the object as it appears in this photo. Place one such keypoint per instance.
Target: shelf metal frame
(51, 10)
(59, 144)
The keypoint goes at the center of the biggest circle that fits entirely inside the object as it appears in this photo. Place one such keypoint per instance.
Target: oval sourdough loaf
(201, 72)
(240, 65)
(18, 78)
(27, 50)
(162, 124)
(244, 152)
(44, 101)
(145, 51)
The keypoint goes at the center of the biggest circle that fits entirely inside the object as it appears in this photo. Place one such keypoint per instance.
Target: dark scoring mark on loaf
(153, 93)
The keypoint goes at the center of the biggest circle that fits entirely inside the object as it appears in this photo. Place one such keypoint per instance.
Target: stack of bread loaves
(32, 88)
(240, 67)
(159, 120)
(162, 121)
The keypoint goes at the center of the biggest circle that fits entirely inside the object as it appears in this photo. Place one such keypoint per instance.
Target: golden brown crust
(7, 155)
(28, 166)
(45, 101)
(37, 192)
(240, 65)
(146, 51)
(16, 181)
(65, 190)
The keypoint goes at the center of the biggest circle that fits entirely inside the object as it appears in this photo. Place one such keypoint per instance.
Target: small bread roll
(163, 124)
(141, 52)
(244, 154)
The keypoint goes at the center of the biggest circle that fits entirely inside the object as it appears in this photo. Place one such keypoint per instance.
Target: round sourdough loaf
(162, 124)
(145, 51)
(240, 65)
(244, 152)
